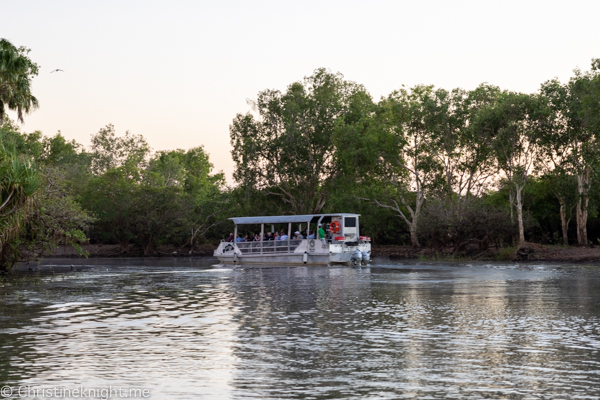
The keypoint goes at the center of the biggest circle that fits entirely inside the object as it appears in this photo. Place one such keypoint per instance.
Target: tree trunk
(520, 214)
(511, 201)
(414, 240)
(583, 184)
(563, 220)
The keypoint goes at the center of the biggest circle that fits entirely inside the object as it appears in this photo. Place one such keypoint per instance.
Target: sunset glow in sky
(177, 72)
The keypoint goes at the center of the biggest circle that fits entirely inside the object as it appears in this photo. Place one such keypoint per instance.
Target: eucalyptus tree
(515, 123)
(583, 133)
(288, 149)
(462, 151)
(406, 163)
(16, 73)
(557, 159)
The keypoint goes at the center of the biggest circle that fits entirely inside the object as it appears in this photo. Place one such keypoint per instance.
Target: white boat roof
(284, 219)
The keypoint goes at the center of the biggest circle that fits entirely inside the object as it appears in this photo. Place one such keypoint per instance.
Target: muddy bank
(113, 250)
(528, 252)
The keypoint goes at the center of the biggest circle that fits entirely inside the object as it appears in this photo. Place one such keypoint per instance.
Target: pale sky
(177, 72)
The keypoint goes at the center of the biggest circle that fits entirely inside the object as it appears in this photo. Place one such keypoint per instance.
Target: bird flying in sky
(57, 70)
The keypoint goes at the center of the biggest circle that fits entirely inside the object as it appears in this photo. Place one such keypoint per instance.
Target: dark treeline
(424, 166)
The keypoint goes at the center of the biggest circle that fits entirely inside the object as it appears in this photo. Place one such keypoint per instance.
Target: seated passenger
(277, 237)
(239, 238)
(284, 236)
(230, 238)
(311, 236)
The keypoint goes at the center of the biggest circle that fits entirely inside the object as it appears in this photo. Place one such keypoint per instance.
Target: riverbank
(114, 250)
(529, 252)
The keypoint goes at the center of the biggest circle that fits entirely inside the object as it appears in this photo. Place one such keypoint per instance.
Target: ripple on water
(421, 331)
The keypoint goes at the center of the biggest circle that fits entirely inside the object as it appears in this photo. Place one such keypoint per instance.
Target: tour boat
(342, 243)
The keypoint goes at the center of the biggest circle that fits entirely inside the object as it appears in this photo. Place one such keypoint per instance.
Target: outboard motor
(366, 257)
(356, 257)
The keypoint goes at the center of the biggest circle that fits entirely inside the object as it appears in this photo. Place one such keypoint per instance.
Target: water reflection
(185, 329)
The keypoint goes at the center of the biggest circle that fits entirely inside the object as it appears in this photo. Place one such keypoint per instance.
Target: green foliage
(289, 151)
(56, 218)
(19, 182)
(16, 72)
(110, 151)
(170, 198)
(38, 213)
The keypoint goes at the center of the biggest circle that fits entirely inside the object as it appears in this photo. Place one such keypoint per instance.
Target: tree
(16, 72)
(289, 150)
(406, 160)
(583, 123)
(462, 153)
(556, 146)
(515, 122)
(19, 181)
(113, 197)
(112, 193)
(200, 194)
(56, 217)
(111, 151)
(170, 197)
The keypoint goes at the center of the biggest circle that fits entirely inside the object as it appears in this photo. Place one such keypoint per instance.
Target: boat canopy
(284, 219)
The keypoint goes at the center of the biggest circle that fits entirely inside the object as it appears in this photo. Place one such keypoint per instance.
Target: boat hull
(292, 252)
(271, 259)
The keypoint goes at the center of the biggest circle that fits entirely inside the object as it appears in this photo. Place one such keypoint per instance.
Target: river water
(183, 329)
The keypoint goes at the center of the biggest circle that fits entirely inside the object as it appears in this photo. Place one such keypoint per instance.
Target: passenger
(277, 236)
(269, 237)
(284, 236)
(298, 236)
(321, 232)
(311, 236)
(239, 238)
(230, 238)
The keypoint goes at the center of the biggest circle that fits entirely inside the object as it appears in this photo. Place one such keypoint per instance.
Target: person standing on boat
(321, 232)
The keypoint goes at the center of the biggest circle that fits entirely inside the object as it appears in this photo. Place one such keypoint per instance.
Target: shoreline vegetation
(529, 252)
(481, 174)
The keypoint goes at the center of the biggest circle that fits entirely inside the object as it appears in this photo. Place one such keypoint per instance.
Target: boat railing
(269, 246)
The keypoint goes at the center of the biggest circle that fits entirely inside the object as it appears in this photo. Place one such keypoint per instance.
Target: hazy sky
(177, 72)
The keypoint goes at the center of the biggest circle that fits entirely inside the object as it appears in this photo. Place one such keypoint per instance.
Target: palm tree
(16, 71)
